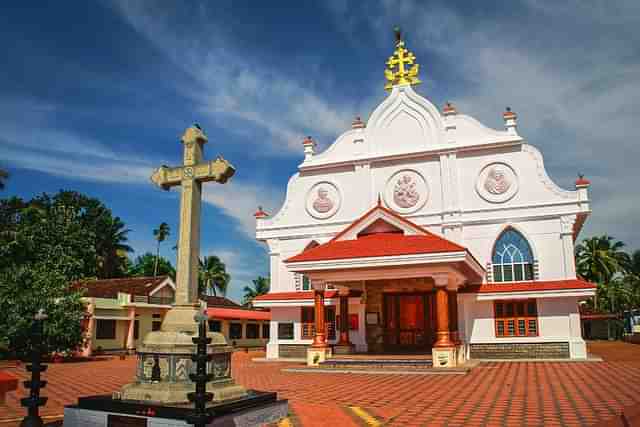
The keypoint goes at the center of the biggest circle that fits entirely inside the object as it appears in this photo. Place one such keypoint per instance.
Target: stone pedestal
(317, 355)
(444, 357)
(164, 364)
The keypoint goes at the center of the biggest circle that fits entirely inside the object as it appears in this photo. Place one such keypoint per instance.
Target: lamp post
(34, 401)
(201, 417)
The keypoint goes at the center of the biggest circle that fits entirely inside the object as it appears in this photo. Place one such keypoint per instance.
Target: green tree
(213, 276)
(260, 287)
(3, 177)
(160, 233)
(45, 245)
(599, 259)
(145, 266)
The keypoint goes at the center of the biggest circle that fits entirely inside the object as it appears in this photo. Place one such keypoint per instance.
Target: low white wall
(558, 321)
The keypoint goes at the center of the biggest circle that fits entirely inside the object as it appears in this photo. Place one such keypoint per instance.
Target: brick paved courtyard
(500, 394)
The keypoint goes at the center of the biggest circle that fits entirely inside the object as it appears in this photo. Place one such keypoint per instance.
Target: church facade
(424, 231)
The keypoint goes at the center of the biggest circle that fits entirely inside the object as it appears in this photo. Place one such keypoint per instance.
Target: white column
(131, 343)
(566, 234)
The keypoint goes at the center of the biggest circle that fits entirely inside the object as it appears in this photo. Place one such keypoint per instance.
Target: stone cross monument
(165, 357)
(190, 177)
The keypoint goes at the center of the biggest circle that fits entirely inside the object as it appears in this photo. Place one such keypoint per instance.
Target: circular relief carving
(497, 183)
(323, 200)
(406, 191)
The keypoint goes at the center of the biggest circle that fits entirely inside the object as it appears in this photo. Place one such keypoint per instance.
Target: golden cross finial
(401, 58)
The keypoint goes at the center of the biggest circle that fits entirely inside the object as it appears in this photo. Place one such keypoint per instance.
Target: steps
(382, 364)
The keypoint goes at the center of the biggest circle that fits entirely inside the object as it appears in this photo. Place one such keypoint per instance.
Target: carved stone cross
(190, 177)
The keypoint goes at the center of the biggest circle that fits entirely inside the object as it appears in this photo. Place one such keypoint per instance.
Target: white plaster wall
(558, 321)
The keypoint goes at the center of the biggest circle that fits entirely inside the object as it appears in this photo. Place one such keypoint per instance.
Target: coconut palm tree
(260, 287)
(599, 259)
(160, 233)
(3, 176)
(213, 276)
(112, 248)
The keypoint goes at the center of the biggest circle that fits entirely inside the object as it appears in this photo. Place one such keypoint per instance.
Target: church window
(253, 330)
(512, 258)
(516, 318)
(265, 330)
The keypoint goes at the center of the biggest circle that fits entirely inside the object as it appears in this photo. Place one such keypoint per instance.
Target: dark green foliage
(144, 265)
(260, 287)
(602, 260)
(46, 244)
(213, 276)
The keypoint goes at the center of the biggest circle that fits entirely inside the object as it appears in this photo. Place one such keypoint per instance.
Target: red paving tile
(493, 394)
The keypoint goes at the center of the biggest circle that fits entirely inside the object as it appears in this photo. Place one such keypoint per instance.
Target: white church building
(424, 231)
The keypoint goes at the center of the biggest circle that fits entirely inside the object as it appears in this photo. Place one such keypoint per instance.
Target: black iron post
(34, 401)
(201, 417)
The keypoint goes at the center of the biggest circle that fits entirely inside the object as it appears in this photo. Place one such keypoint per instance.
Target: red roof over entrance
(375, 245)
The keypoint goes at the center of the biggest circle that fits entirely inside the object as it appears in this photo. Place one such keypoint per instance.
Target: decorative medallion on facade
(398, 71)
(406, 191)
(323, 200)
(497, 183)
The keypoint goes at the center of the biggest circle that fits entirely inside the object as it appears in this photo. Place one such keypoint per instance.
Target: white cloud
(226, 81)
(240, 200)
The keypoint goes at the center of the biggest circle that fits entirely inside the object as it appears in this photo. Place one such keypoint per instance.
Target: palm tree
(144, 265)
(160, 233)
(3, 176)
(260, 287)
(599, 259)
(111, 248)
(213, 276)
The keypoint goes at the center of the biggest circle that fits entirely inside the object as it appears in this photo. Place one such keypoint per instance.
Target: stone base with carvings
(164, 364)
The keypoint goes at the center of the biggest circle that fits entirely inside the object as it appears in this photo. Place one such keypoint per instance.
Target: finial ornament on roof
(398, 71)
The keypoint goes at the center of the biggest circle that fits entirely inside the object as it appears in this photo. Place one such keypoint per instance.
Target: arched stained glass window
(512, 258)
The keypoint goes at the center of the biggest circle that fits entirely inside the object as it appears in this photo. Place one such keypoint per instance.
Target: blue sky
(94, 95)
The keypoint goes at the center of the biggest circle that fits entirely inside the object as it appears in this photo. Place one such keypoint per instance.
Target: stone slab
(101, 411)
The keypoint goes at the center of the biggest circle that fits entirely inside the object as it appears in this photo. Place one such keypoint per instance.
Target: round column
(442, 319)
(344, 320)
(453, 316)
(320, 337)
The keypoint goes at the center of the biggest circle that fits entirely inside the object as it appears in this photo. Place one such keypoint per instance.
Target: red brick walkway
(494, 394)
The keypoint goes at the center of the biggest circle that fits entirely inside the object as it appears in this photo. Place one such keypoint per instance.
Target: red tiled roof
(109, 288)
(280, 296)
(237, 313)
(375, 245)
(216, 301)
(533, 286)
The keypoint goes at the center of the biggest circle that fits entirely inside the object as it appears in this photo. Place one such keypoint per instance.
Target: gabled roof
(358, 240)
(216, 301)
(109, 288)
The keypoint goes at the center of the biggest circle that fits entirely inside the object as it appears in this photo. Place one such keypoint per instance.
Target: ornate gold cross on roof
(190, 177)
(401, 58)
